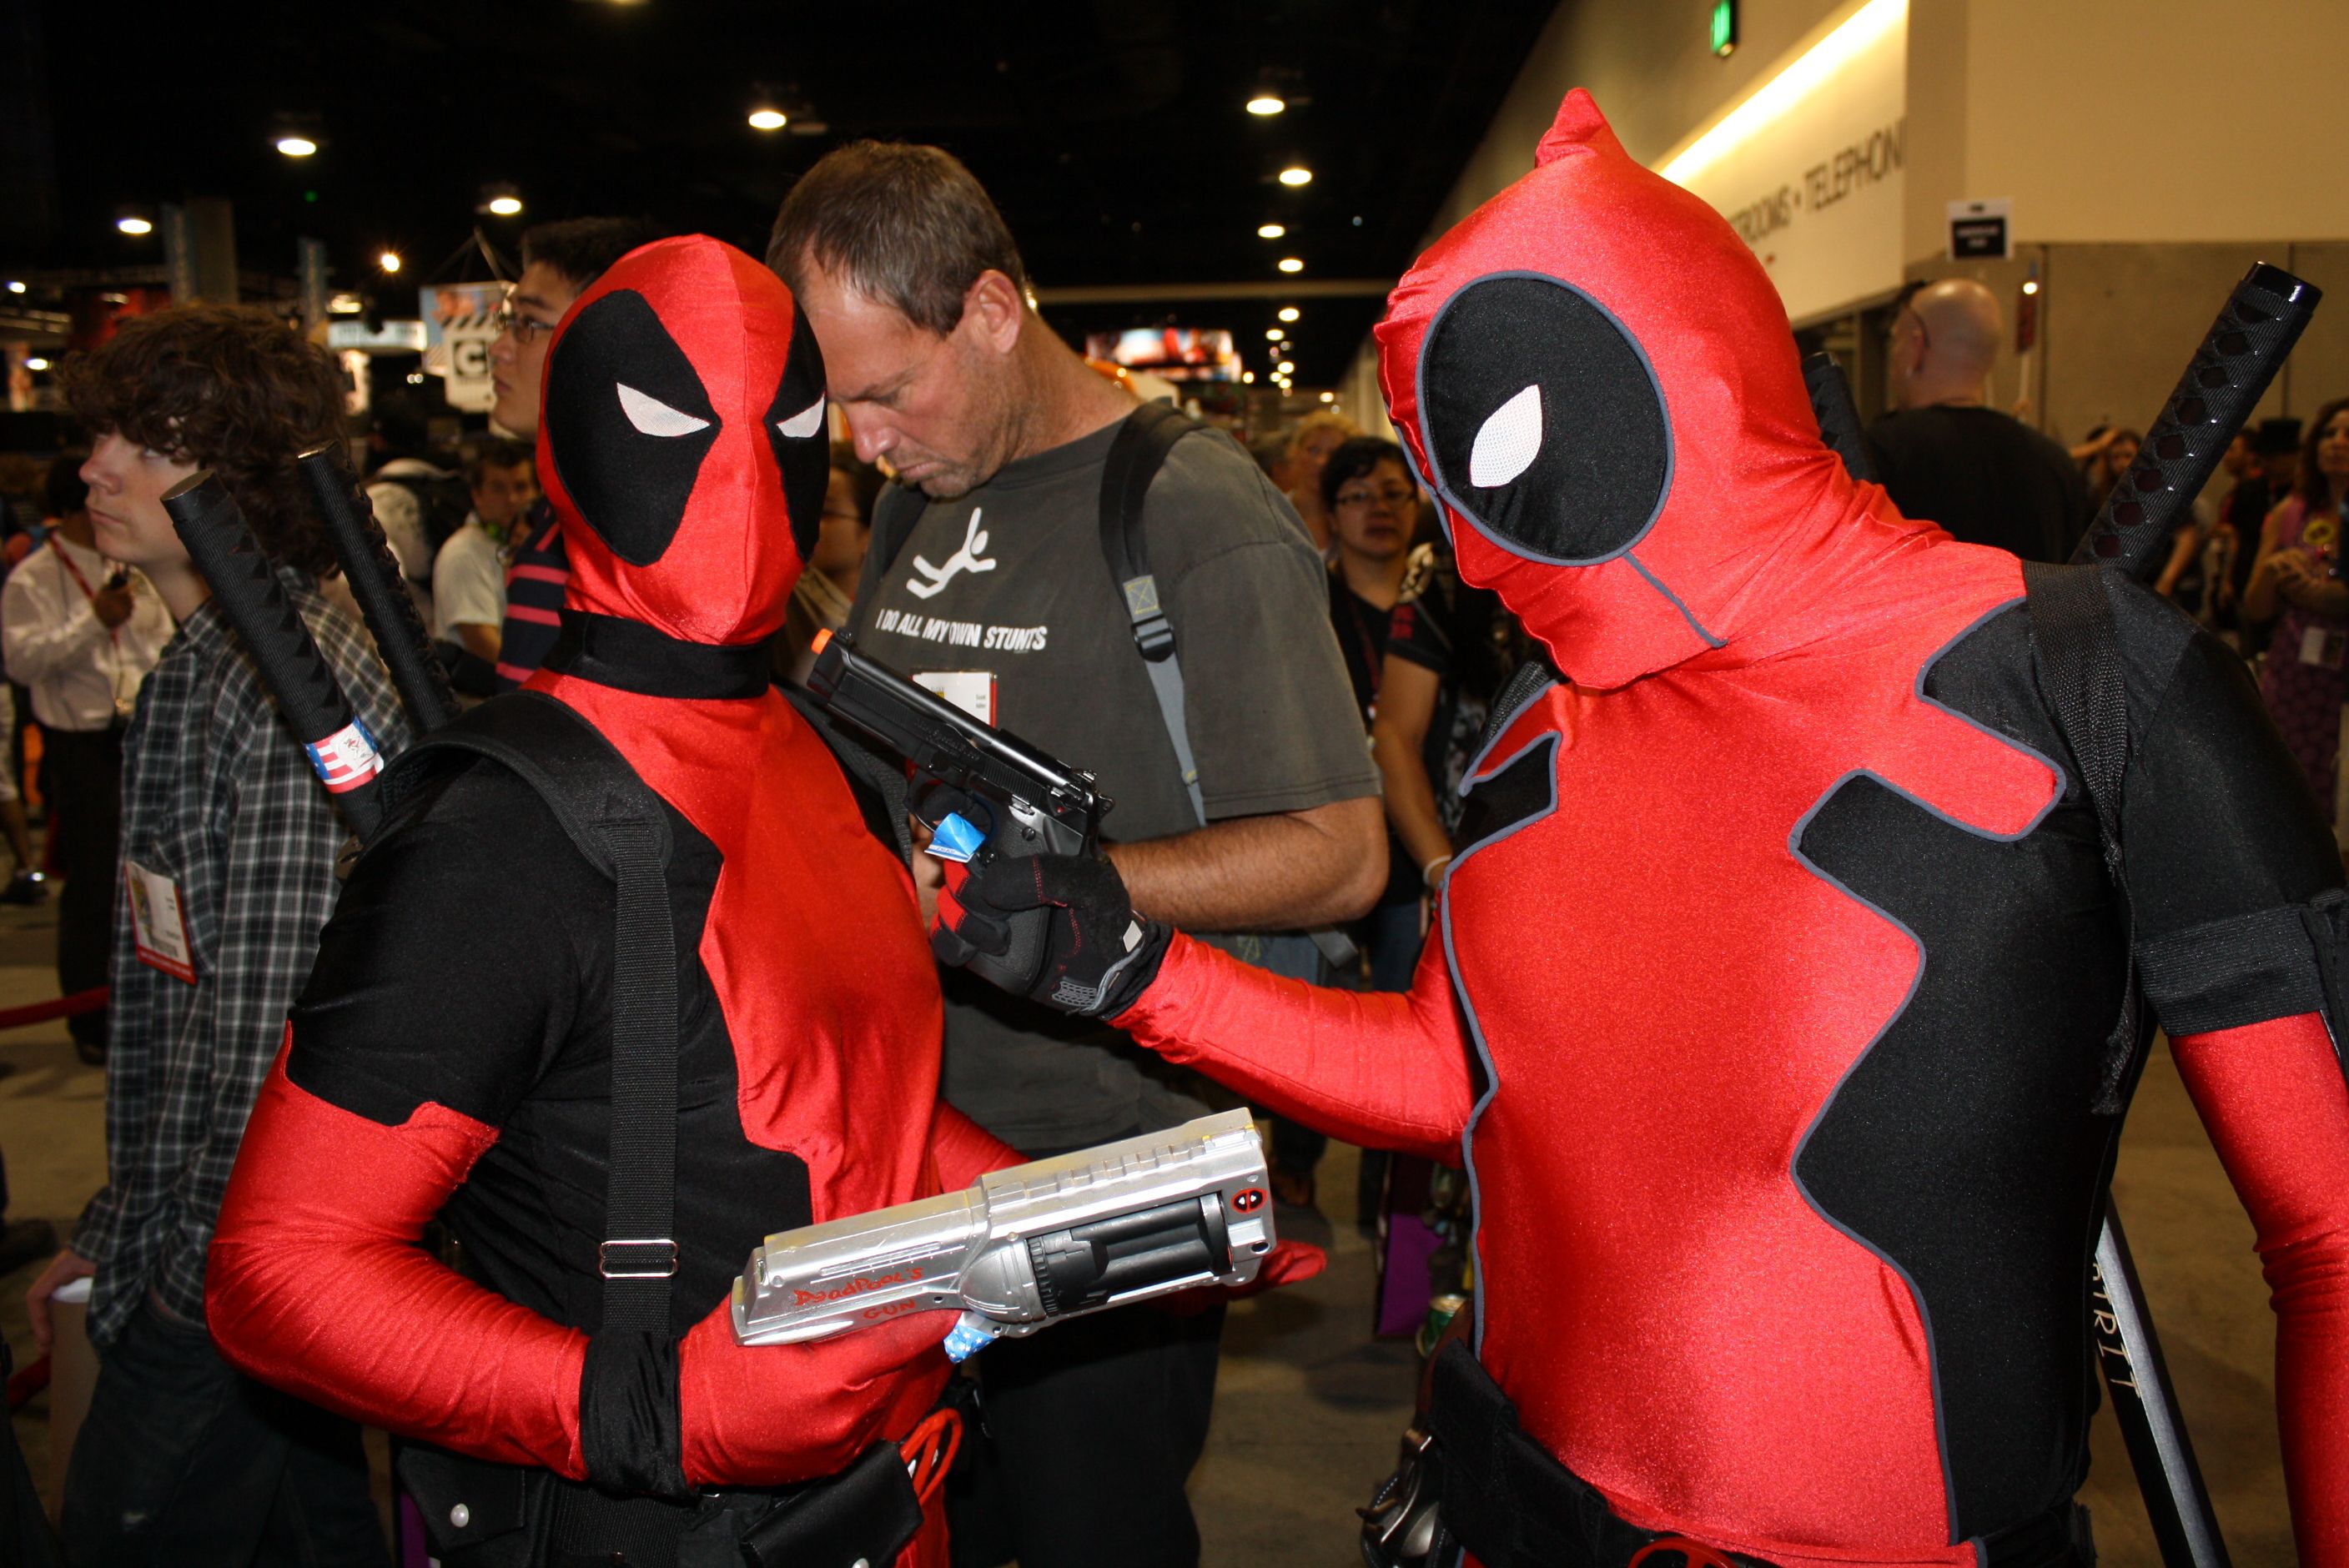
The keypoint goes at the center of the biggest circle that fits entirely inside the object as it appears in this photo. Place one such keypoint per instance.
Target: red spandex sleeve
(316, 1284)
(964, 1150)
(2277, 1109)
(1385, 1069)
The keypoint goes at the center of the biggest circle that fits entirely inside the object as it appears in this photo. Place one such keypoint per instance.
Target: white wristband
(1427, 872)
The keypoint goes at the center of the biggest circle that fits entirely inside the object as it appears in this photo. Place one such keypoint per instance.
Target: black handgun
(1020, 801)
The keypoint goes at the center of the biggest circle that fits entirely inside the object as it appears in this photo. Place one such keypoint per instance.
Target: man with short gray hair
(986, 581)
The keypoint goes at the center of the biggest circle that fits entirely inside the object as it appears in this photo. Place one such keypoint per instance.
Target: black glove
(1097, 955)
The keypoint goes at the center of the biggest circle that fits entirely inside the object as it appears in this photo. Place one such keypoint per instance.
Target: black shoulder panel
(1958, 1147)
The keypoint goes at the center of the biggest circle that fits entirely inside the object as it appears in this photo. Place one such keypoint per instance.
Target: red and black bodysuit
(453, 1052)
(1769, 987)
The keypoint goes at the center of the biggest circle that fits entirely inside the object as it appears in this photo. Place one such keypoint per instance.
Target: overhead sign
(388, 337)
(1811, 166)
(1978, 230)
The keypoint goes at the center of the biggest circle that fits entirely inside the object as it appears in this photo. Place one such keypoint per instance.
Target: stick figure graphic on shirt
(966, 559)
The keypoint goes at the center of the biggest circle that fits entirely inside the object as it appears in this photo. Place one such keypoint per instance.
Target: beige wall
(2131, 120)
(1648, 65)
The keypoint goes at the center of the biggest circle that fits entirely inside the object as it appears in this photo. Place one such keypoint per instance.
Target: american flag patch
(346, 759)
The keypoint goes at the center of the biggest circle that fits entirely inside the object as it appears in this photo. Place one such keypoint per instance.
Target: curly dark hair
(233, 388)
(2311, 486)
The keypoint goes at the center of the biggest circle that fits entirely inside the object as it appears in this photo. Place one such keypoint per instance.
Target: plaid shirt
(218, 796)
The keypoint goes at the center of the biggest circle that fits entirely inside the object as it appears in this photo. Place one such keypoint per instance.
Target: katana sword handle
(1837, 416)
(2176, 1500)
(373, 573)
(2239, 357)
(293, 672)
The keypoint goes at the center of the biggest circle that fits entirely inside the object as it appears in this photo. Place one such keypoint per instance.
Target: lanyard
(113, 633)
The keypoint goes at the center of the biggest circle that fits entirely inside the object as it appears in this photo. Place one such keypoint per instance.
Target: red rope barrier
(88, 1001)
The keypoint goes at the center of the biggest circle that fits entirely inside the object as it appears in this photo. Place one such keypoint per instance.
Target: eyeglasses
(1394, 495)
(523, 328)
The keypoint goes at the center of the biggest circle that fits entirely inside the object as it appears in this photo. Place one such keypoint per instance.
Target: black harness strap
(2075, 650)
(618, 822)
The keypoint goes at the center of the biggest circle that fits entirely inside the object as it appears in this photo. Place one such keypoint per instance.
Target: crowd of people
(306, 1066)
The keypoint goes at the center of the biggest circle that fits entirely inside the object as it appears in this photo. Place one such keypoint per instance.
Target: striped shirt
(534, 585)
(219, 797)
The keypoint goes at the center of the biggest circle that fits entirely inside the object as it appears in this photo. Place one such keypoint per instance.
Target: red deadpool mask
(683, 442)
(1596, 380)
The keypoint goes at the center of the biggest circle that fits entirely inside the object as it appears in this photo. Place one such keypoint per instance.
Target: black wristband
(629, 1430)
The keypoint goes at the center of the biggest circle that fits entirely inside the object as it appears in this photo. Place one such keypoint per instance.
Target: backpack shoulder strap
(618, 822)
(2077, 656)
(1135, 458)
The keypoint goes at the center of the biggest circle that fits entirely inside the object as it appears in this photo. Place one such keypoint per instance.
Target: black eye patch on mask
(797, 429)
(1542, 421)
(627, 423)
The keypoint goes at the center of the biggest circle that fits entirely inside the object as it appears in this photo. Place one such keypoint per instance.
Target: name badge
(973, 691)
(2324, 646)
(159, 924)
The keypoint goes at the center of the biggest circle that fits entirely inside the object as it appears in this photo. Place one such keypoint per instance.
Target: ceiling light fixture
(37, 363)
(1270, 231)
(15, 287)
(1328, 397)
(1288, 313)
(766, 117)
(2030, 285)
(1266, 103)
(131, 223)
(343, 304)
(1288, 367)
(1774, 98)
(296, 146)
(1247, 377)
(1292, 264)
(1297, 174)
(502, 199)
(1274, 334)
(388, 261)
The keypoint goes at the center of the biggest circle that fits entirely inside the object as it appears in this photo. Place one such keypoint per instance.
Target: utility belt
(1471, 1481)
(482, 1514)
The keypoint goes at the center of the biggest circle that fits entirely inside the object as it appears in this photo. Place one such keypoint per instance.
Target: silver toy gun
(1030, 1245)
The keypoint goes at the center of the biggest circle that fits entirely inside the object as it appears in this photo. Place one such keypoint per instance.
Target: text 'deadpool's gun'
(298, 677)
(1027, 1246)
(1020, 802)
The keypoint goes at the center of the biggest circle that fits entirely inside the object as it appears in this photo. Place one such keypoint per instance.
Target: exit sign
(1724, 28)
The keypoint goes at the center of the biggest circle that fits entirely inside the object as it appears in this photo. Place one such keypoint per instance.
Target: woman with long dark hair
(2302, 679)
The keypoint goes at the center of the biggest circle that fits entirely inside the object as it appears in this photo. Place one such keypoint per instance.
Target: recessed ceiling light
(388, 261)
(1274, 334)
(296, 146)
(1247, 377)
(15, 287)
(343, 304)
(1288, 313)
(1297, 174)
(37, 363)
(1267, 103)
(134, 225)
(2030, 285)
(1287, 368)
(1292, 264)
(1270, 231)
(506, 206)
(764, 117)
(1328, 397)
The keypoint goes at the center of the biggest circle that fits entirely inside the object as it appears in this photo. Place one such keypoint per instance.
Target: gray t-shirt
(1009, 580)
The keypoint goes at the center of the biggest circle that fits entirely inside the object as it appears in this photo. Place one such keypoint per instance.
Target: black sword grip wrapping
(1839, 418)
(296, 673)
(373, 574)
(2231, 371)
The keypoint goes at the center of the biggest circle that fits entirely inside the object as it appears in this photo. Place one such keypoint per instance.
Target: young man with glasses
(558, 262)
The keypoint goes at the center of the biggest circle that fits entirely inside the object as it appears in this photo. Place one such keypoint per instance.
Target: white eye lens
(654, 418)
(1509, 441)
(805, 423)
